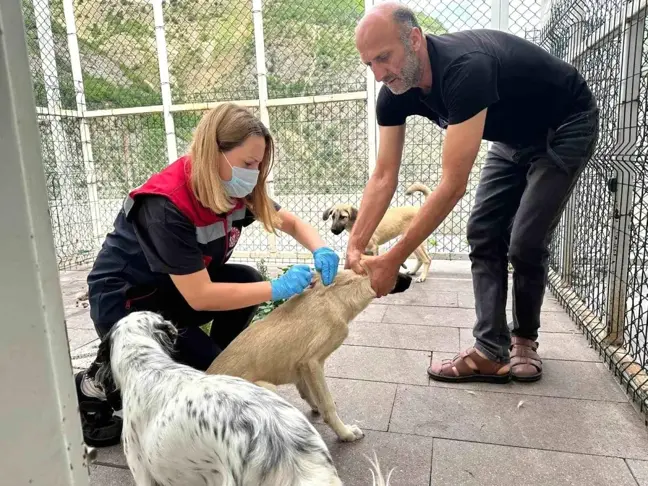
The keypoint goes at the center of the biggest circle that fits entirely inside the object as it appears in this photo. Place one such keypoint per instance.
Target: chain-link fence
(120, 87)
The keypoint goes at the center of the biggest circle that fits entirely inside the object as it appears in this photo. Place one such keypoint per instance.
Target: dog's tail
(378, 479)
(418, 187)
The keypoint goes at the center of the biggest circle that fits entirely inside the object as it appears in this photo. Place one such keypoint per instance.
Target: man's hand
(352, 260)
(383, 271)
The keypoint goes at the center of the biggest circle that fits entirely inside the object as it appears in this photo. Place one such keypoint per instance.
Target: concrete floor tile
(110, 476)
(430, 316)
(80, 337)
(564, 379)
(80, 321)
(559, 424)
(465, 317)
(83, 356)
(471, 464)
(379, 364)
(430, 299)
(410, 456)
(402, 336)
(564, 346)
(639, 470)
(366, 404)
(445, 284)
(459, 268)
(113, 456)
(554, 321)
(573, 347)
(373, 313)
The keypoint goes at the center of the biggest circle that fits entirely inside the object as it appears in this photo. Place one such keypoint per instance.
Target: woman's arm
(303, 232)
(326, 260)
(204, 295)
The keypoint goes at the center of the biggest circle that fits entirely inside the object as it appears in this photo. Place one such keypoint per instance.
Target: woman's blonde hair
(222, 129)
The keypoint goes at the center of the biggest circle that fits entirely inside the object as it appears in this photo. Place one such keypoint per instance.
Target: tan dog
(291, 343)
(394, 223)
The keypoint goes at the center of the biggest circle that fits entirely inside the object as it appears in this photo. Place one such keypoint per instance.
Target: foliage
(267, 307)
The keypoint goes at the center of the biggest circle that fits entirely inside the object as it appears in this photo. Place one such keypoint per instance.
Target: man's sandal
(526, 365)
(469, 366)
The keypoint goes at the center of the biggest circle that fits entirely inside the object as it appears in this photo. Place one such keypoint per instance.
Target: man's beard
(410, 74)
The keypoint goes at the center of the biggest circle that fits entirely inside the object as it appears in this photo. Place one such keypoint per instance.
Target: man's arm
(460, 150)
(379, 191)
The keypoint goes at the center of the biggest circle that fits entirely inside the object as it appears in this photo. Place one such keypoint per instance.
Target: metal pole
(63, 187)
(41, 438)
(262, 81)
(372, 126)
(86, 143)
(500, 14)
(165, 85)
(576, 39)
(624, 162)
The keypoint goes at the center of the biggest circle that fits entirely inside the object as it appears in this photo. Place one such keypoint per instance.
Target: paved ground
(574, 427)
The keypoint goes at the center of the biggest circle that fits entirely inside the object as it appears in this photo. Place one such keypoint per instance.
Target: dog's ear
(327, 213)
(100, 371)
(353, 214)
(166, 334)
(403, 283)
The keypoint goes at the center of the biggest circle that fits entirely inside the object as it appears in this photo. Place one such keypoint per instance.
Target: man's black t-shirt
(526, 89)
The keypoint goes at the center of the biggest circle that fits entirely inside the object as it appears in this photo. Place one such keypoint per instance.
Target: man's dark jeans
(518, 203)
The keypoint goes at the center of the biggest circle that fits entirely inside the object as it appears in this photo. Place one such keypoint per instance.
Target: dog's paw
(353, 433)
(420, 279)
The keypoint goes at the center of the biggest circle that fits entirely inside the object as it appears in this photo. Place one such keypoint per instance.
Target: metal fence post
(63, 188)
(42, 16)
(372, 127)
(165, 85)
(41, 438)
(86, 143)
(500, 14)
(262, 81)
(623, 184)
(576, 40)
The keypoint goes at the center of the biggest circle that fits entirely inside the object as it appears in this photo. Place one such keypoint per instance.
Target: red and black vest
(121, 270)
(173, 182)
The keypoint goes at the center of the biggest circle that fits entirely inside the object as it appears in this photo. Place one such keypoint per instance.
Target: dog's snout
(403, 283)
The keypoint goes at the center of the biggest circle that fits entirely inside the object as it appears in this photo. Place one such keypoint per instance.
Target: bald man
(539, 112)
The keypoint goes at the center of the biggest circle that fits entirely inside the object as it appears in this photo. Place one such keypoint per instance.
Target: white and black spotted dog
(183, 427)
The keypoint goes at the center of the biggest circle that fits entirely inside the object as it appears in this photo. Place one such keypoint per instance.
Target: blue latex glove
(294, 281)
(326, 262)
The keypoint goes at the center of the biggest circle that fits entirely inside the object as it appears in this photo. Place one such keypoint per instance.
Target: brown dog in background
(291, 344)
(394, 223)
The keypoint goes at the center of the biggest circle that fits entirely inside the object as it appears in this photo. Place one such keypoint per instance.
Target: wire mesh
(310, 48)
(211, 50)
(599, 255)
(118, 53)
(320, 161)
(126, 151)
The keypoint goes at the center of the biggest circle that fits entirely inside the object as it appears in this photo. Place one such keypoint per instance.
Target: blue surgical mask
(243, 181)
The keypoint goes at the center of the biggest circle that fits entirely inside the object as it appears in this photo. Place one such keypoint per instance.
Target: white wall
(40, 433)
